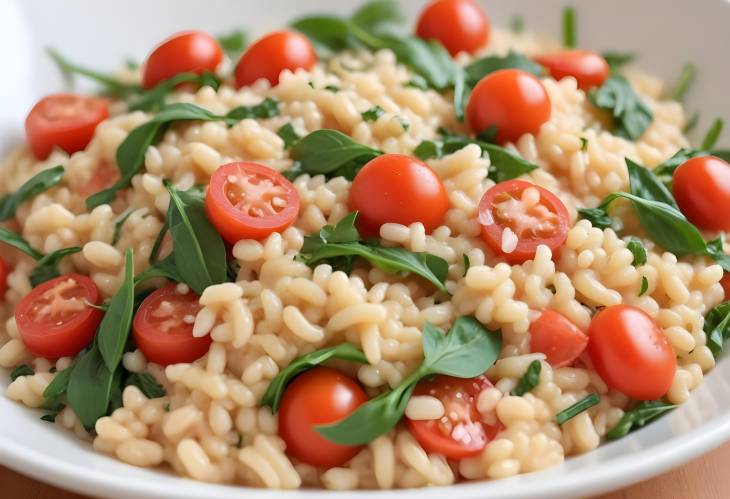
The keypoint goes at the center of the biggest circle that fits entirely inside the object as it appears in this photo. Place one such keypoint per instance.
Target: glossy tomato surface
(163, 327)
(250, 201)
(186, 52)
(57, 319)
(272, 54)
(631, 353)
(66, 121)
(320, 396)
(399, 189)
(459, 433)
(510, 100)
(460, 25)
(701, 187)
(725, 282)
(588, 68)
(533, 214)
(3, 278)
(558, 338)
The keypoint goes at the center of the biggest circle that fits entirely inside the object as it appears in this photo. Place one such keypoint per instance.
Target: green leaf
(569, 30)
(583, 144)
(57, 387)
(328, 34)
(376, 13)
(114, 329)
(596, 216)
(461, 93)
(90, 387)
(489, 64)
(575, 409)
(21, 370)
(637, 249)
(111, 84)
(47, 267)
(517, 24)
(683, 83)
(37, 184)
(119, 222)
(331, 153)
(529, 380)
(154, 98)
(17, 242)
(691, 122)
(717, 327)
(267, 108)
(506, 165)
(713, 134)
(147, 384)
(233, 43)
(644, 285)
(644, 184)
(373, 113)
(667, 168)
(428, 149)
(468, 350)
(639, 416)
(467, 263)
(617, 60)
(275, 391)
(716, 252)
(631, 114)
(288, 135)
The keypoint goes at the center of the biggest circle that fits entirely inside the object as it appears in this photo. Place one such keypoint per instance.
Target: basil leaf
(57, 387)
(21, 370)
(288, 135)
(716, 252)
(331, 153)
(575, 409)
(118, 223)
(155, 97)
(569, 32)
(713, 134)
(428, 149)
(631, 114)
(683, 83)
(89, 388)
(47, 267)
(506, 165)
(644, 184)
(147, 384)
(37, 184)
(198, 250)
(637, 249)
(51, 416)
(328, 34)
(529, 380)
(17, 242)
(616, 60)
(717, 327)
(267, 108)
(110, 84)
(376, 13)
(596, 216)
(343, 232)
(114, 329)
(275, 391)
(644, 285)
(373, 113)
(667, 168)
(639, 416)
(233, 43)
(486, 65)
(461, 94)
(468, 350)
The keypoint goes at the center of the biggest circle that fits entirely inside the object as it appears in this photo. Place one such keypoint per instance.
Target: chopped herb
(582, 405)
(332, 88)
(267, 108)
(403, 123)
(517, 24)
(616, 60)
(583, 144)
(37, 184)
(118, 223)
(637, 249)
(166, 407)
(239, 443)
(683, 83)
(713, 134)
(467, 263)
(639, 416)
(21, 370)
(373, 113)
(147, 384)
(233, 43)
(530, 379)
(644, 285)
(691, 122)
(569, 30)
(331, 153)
(630, 113)
(288, 135)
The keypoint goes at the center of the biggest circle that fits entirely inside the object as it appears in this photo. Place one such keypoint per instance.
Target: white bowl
(102, 33)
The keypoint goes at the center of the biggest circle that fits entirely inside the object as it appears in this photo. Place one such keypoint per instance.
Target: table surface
(704, 478)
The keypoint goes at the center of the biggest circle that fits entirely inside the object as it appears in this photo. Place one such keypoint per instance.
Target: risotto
(351, 257)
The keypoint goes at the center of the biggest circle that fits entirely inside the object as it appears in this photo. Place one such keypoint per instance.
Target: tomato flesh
(272, 54)
(320, 396)
(631, 353)
(459, 433)
(57, 319)
(66, 121)
(186, 52)
(3, 278)
(250, 201)
(533, 215)
(163, 327)
(588, 68)
(460, 25)
(399, 189)
(725, 282)
(558, 338)
(701, 187)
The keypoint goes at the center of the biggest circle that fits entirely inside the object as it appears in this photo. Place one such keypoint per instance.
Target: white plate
(101, 33)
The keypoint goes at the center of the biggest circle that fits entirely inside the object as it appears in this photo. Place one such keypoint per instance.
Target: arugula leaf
(373, 113)
(275, 391)
(21, 370)
(15, 240)
(37, 184)
(569, 30)
(616, 60)
(90, 387)
(596, 216)
(637, 249)
(639, 416)
(47, 267)
(154, 98)
(331, 153)
(667, 168)
(288, 135)
(644, 184)
(110, 84)
(683, 83)
(644, 285)
(631, 114)
(114, 329)
(489, 64)
(529, 380)
(147, 384)
(119, 222)
(713, 134)
(233, 43)
(575, 409)
(717, 327)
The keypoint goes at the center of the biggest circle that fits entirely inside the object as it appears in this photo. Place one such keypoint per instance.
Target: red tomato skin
(701, 187)
(53, 341)
(459, 396)
(460, 25)
(320, 396)
(167, 348)
(558, 338)
(725, 282)
(70, 133)
(631, 353)
(512, 100)
(400, 189)
(272, 54)
(588, 68)
(526, 249)
(3, 278)
(185, 52)
(232, 223)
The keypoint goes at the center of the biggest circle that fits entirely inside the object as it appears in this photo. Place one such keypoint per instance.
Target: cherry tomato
(57, 319)
(725, 282)
(186, 52)
(510, 100)
(459, 433)
(272, 54)
(588, 68)
(66, 121)
(558, 338)
(460, 25)
(631, 353)
(400, 189)
(701, 187)
(3, 278)
(320, 396)
(163, 327)
(250, 201)
(533, 215)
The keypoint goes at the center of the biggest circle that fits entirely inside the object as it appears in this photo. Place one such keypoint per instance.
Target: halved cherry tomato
(631, 353)
(250, 201)
(533, 215)
(186, 52)
(57, 318)
(399, 189)
(588, 68)
(3, 278)
(163, 327)
(725, 282)
(320, 396)
(460, 25)
(510, 100)
(558, 338)
(272, 54)
(66, 121)
(459, 433)
(701, 187)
